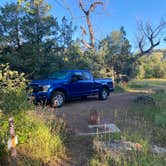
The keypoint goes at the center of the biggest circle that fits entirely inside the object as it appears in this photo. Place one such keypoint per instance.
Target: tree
(117, 50)
(65, 35)
(10, 18)
(87, 13)
(153, 66)
(42, 40)
(149, 36)
(37, 25)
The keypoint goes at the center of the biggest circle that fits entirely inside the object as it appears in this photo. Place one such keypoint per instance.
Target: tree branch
(93, 6)
(148, 36)
(87, 15)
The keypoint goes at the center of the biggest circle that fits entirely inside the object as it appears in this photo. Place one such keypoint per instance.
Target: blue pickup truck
(67, 84)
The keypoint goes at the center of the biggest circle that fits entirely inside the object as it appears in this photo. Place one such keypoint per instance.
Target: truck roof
(75, 70)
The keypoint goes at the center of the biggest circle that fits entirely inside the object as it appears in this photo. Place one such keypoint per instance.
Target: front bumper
(39, 97)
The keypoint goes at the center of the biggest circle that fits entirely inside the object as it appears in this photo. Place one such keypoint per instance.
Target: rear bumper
(111, 89)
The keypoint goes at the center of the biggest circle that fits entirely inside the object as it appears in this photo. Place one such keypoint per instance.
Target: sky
(115, 14)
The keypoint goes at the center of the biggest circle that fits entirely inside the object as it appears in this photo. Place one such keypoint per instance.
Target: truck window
(86, 75)
(61, 75)
(79, 75)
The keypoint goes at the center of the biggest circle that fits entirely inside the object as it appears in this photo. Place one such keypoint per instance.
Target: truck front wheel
(103, 94)
(58, 99)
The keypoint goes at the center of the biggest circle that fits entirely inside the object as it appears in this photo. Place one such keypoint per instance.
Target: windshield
(61, 75)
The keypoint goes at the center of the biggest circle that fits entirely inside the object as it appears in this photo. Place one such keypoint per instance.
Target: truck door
(81, 84)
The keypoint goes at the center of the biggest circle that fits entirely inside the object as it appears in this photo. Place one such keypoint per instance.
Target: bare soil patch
(77, 113)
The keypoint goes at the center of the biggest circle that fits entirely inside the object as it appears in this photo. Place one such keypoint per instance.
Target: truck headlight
(45, 88)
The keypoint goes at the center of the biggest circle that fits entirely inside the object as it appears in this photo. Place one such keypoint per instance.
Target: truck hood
(48, 82)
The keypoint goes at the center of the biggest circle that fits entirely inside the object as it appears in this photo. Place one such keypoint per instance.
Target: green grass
(120, 88)
(136, 159)
(40, 133)
(147, 83)
(42, 136)
(39, 141)
(140, 84)
(145, 123)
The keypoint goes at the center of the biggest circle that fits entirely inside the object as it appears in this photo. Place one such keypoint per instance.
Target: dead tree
(149, 36)
(90, 28)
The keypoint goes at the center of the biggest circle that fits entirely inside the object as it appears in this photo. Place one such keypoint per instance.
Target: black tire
(58, 99)
(103, 94)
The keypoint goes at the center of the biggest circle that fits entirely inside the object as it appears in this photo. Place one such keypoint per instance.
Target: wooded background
(34, 42)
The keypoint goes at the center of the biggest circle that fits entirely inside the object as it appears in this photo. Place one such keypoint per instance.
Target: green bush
(39, 139)
(153, 66)
(36, 140)
(13, 96)
(132, 158)
(121, 87)
(42, 144)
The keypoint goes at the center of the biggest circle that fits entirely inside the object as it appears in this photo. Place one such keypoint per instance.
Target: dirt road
(76, 113)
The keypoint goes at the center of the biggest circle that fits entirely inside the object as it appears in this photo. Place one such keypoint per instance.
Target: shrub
(13, 97)
(39, 141)
(42, 144)
(36, 140)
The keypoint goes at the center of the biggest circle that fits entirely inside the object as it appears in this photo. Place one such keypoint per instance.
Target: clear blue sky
(115, 14)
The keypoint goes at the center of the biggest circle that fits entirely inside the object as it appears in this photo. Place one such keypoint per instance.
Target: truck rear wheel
(58, 99)
(103, 94)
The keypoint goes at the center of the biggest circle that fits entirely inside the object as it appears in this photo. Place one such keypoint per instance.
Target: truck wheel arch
(59, 90)
(105, 87)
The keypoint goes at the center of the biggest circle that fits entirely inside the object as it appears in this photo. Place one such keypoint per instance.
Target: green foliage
(9, 25)
(38, 44)
(136, 159)
(132, 158)
(42, 144)
(138, 85)
(155, 111)
(10, 80)
(13, 97)
(116, 53)
(143, 123)
(160, 114)
(94, 161)
(37, 141)
(152, 66)
(121, 87)
(32, 39)
(142, 157)
(147, 83)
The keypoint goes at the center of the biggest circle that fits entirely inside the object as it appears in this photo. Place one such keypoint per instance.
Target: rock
(111, 127)
(101, 129)
(123, 146)
(158, 150)
(144, 99)
(117, 146)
